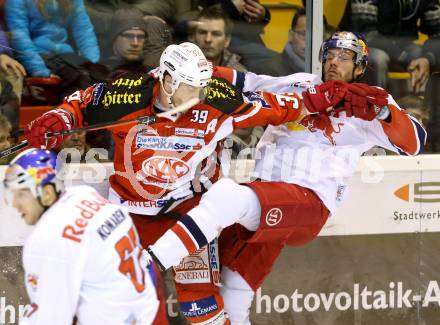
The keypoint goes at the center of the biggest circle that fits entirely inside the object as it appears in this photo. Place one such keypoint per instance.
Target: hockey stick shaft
(99, 126)
(142, 120)
(145, 120)
(13, 149)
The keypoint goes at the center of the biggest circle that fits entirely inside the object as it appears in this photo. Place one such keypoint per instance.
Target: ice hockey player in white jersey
(302, 172)
(83, 258)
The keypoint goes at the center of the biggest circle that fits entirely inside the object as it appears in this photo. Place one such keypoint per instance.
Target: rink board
(376, 262)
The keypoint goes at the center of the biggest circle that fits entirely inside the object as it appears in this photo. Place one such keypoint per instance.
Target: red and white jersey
(83, 259)
(322, 153)
(173, 153)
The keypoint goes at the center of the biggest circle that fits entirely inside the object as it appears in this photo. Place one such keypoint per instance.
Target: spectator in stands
(76, 141)
(159, 36)
(392, 26)
(155, 13)
(213, 34)
(88, 146)
(295, 49)
(40, 34)
(242, 144)
(128, 36)
(5, 137)
(415, 105)
(432, 102)
(249, 18)
(11, 82)
(9, 102)
(101, 11)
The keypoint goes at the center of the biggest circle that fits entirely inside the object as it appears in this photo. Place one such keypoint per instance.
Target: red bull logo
(39, 174)
(32, 280)
(364, 47)
(321, 122)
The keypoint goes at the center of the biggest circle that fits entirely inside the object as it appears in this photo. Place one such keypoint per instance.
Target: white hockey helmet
(185, 63)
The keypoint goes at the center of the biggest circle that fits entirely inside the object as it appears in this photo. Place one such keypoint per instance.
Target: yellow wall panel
(275, 35)
(333, 11)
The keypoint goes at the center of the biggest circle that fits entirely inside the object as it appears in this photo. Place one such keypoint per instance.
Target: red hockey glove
(320, 98)
(363, 101)
(52, 121)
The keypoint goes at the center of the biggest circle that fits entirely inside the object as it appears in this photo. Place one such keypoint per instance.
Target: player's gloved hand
(52, 121)
(324, 97)
(363, 101)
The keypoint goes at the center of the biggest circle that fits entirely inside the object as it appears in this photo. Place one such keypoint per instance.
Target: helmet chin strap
(40, 193)
(45, 207)
(356, 79)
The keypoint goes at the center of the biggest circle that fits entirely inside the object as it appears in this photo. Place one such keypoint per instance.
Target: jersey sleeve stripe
(400, 151)
(243, 110)
(420, 138)
(421, 134)
(248, 115)
(404, 132)
(187, 240)
(238, 81)
(192, 229)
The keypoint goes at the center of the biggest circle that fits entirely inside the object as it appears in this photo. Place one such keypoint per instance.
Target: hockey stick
(146, 120)
(13, 149)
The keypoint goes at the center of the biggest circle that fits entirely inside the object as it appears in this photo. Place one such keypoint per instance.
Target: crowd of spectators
(71, 44)
(391, 29)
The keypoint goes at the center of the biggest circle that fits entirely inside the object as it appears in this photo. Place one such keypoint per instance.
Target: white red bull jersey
(83, 259)
(321, 154)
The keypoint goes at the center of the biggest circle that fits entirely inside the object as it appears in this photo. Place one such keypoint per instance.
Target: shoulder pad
(223, 96)
(127, 93)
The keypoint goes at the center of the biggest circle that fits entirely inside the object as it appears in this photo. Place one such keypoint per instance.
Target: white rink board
(371, 206)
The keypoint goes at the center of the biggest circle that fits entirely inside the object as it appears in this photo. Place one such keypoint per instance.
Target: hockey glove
(363, 101)
(324, 97)
(52, 121)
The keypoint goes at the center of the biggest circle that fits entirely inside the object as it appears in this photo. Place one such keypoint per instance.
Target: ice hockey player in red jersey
(304, 167)
(162, 169)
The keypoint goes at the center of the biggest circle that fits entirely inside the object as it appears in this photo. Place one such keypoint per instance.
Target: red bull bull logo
(321, 122)
(32, 280)
(39, 174)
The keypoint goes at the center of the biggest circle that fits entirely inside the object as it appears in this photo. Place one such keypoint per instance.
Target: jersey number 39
(129, 251)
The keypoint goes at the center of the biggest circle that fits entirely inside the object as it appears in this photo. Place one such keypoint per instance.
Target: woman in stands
(40, 32)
